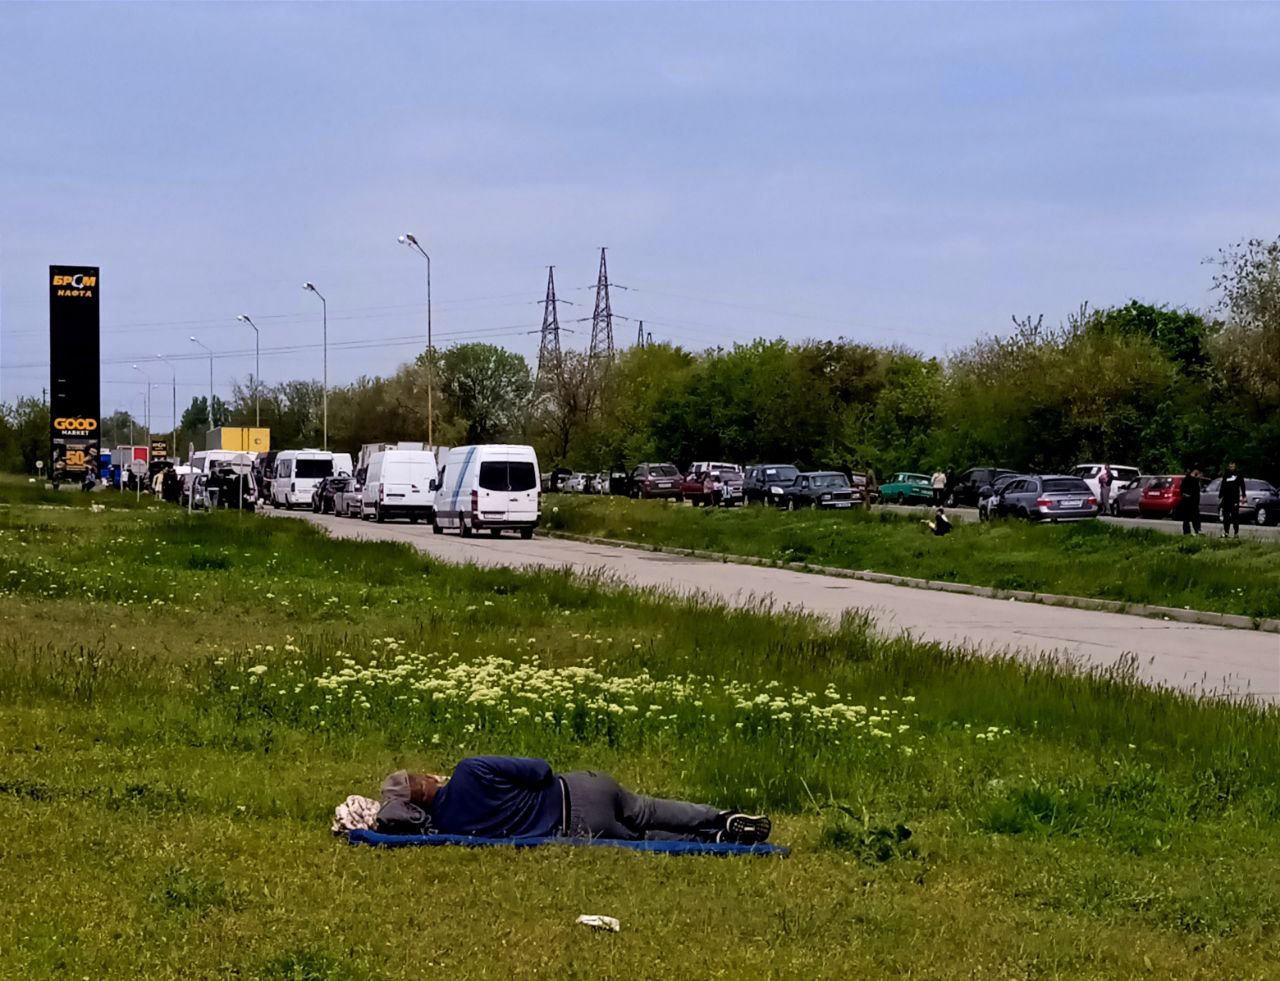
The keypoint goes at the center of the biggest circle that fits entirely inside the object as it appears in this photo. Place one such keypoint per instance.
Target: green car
(907, 488)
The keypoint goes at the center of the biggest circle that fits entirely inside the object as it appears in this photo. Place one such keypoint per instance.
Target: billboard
(74, 381)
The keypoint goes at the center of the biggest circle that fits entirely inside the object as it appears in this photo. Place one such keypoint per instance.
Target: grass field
(1086, 559)
(183, 701)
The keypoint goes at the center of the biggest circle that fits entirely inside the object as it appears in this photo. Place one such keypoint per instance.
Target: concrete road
(1188, 656)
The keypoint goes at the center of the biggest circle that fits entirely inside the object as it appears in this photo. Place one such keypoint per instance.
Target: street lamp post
(195, 341)
(147, 403)
(409, 240)
(173, 446)
(324, 398)
(257, 369)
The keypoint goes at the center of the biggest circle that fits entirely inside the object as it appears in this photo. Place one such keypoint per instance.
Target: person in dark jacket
(515, 797)
(1190, 503)
(1230, 497)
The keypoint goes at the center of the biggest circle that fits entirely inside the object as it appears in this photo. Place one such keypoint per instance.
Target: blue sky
(907, 174)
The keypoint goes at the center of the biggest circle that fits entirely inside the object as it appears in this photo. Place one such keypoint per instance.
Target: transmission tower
(602, 319)
(640, 335)
(549, 349)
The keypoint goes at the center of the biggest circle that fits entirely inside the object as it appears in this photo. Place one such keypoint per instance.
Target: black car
(322, 498)
(768, 482)
(821, 489)
(968, 489)
(1056, 497)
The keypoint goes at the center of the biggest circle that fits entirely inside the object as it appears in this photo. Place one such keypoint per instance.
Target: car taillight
(381, 491)
(475, 501)
(1043, 502)
(1093, 502)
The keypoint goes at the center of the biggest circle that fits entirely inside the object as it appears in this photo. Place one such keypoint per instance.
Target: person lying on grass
(514, 797)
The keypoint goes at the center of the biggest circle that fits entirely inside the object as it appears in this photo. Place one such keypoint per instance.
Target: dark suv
(766, 482)
(968, 489)
(656, 480)
(821, 489)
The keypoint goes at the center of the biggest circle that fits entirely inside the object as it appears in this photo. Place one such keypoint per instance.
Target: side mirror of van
(432, 485)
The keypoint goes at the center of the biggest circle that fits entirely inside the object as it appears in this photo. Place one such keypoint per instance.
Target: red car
(1161, 497)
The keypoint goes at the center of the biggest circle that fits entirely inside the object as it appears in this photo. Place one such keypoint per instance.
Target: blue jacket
(500, 797)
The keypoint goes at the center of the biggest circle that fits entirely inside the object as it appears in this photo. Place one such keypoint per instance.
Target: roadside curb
(1235, 621)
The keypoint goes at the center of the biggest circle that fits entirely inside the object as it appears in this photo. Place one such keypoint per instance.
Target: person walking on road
(1230, 497)
(1104, 489)
(1190, 502)
(939, 482)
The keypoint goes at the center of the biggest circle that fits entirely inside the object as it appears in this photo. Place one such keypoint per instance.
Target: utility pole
(602, 318)
(324, 393)
(409, 240)
(244, 318)
(196, 341)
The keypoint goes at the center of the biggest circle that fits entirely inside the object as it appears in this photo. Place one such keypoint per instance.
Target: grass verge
(1089, 559)
(183, 700)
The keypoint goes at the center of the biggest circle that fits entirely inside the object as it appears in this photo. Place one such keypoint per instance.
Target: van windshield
(310, 469)
(502, 475)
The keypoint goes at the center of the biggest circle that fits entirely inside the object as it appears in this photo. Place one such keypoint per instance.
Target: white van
(297, 473)
(488, 487)
(200, 463)
(399, 484)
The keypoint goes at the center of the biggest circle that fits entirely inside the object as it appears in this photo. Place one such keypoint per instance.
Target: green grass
(1089, 559)
(166, 784)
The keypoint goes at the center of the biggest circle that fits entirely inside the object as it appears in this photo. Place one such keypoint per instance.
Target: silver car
(1051, 498)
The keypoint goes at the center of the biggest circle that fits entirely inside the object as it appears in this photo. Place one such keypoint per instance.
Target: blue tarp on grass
(664, 847)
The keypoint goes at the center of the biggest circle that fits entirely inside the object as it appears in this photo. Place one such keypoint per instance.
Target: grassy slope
(161, 822)
(1089, 559)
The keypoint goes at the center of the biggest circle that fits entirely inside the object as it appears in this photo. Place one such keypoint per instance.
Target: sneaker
(745, 829)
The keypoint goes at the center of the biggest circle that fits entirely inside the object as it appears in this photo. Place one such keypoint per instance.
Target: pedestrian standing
(1230, 497)
(1104, 490)
(1189, 502)
(939, 482)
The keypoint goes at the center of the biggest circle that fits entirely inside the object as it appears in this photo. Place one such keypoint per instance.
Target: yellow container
(239, 439)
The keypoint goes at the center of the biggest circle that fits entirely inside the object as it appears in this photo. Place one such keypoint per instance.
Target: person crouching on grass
(514, 797)
(940, 525)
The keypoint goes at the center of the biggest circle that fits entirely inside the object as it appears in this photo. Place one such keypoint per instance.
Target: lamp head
(192, 339)
(309, 286)
(241, 317)
(402, 239)
(408, 239)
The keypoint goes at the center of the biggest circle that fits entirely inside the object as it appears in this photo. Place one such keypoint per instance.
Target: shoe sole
(748, 829)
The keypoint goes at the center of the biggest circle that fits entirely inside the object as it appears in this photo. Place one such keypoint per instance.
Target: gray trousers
(600, 808)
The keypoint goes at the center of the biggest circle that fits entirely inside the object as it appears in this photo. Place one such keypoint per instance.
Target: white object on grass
(599, 922)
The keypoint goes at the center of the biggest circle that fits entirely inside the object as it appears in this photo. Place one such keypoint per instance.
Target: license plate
(842, 504)
(1073, 503)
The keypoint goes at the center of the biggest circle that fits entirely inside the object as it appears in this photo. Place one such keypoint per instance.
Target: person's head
(1231, 467)
(417, 788)
(941, 513)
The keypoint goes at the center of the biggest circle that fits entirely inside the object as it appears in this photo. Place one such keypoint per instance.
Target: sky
(906, 174)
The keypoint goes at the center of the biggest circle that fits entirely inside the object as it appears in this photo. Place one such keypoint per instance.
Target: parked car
(1261, 503)
(821, 488)
(346, 502)
(1055, 497)
(907, 488)
(708, 484)
(324, 497)
(1162, 497)
(1126, 497)
(988, 497)
(574, 483)
(656, 480)
(1120, 474)
(968, 489)
(768, 482)
(490, 487)
(399, 484)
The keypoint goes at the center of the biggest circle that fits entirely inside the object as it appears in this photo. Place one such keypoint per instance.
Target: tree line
(1143, 384)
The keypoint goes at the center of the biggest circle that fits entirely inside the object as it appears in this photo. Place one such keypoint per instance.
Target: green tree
(486, 390)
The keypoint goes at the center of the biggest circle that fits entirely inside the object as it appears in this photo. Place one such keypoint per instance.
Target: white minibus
(488, 487)
(297, 473)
